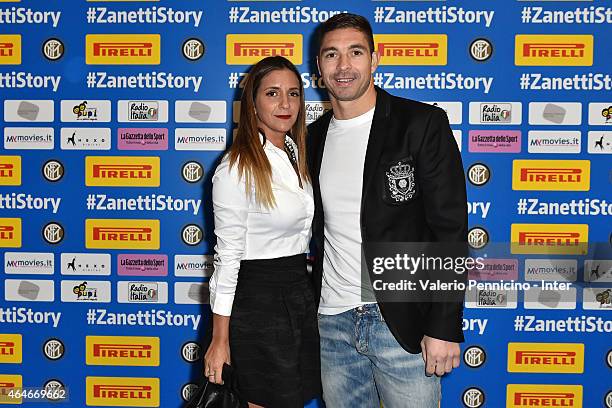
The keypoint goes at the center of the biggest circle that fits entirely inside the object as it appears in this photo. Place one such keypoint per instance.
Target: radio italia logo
(411, 49)
(563, 239)
(122, 171)
(10, 49)
(246, 49)
(122, 391)
(546, 358)
(123, 49)
(122, 351)
(10, 348)
(10, 232)
(10, 170)
(553, 50)
(551, 175)
(543, 395)
(121, 234)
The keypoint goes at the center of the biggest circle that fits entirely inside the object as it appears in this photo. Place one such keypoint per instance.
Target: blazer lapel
(376, 141)
(320, 147)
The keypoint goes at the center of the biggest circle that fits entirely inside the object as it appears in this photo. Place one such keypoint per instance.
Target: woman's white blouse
(246, 230)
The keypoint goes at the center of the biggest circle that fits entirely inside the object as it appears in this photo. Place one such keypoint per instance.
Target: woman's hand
(218, 353)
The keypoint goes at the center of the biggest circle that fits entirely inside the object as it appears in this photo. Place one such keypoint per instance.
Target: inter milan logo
(53, 349)
(400, 180)
(55, 390)
(481, 49)
(193, 49)
(473, 398)
(53, 233)
(188, 390)
(474, 356)
(53, 49)
(191, 352)
(192, 172)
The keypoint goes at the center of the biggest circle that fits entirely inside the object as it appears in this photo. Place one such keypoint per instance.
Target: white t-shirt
(341, 180)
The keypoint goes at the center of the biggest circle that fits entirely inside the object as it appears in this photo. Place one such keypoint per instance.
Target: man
(369, 348)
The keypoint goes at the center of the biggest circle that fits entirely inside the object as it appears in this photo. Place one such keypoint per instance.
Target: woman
(264, 317)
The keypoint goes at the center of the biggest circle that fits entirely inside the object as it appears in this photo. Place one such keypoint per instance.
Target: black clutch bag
(211, 395)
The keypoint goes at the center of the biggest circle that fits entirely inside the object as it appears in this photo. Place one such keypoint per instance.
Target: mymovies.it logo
(122, 351)
(551, 175)
(122, 391)
(196, 266)
(123, 49)
(562, 270)
(200, 139)
(548, 141)
(553, 50)
(562, 239)
(29, 263)
(122, 234)
(28, 138)
(122, 171)
(247, 49)
(412, 49)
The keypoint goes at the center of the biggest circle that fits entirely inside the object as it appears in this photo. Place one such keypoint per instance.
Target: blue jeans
(363, 365)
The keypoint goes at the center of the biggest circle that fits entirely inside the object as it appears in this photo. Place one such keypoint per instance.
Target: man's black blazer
(418, 134)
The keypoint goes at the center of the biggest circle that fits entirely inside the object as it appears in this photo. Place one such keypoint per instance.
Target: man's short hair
(347, 20)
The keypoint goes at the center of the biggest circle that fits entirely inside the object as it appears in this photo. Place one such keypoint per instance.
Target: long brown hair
(247, 150)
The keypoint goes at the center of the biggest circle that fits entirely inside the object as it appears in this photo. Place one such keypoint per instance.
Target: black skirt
(274, 338)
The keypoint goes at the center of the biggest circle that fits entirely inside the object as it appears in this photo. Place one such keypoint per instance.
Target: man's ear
(375, 61)
(318, 67)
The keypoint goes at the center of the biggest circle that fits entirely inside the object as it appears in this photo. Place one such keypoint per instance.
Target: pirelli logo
(553, 50)
(10, 170)
(411, 49)
(122, 391)
(10, 232)
(546, 358)
(562, 239)
(11, 348)
(247, 49)
(122, 351)
(10, 49)
(122, 171)
(123, 49)
(121, 234)
(10, 382)
(543, 395)
(551, 175)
